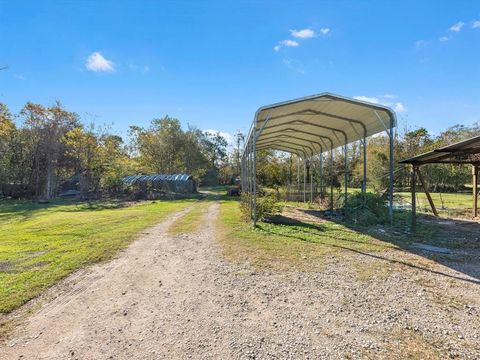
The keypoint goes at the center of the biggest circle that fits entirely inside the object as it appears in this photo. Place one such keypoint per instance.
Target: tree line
(275, 169)
(46, 149)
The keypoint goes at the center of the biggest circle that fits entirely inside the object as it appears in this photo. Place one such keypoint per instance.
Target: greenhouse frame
(178, 183)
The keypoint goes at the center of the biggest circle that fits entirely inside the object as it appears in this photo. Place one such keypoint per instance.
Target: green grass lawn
(442, 201)
(40, 244)
(446, 203)
(289, 246)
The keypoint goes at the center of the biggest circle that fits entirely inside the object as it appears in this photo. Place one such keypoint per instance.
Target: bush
(366, 208)
(266, 206)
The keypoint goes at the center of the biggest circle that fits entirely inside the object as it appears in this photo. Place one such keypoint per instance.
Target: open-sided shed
(463, 152)
(315, 125)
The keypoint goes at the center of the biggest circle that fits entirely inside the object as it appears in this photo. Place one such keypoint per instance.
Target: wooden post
(414, 198)
(425, 188)
(475, 190)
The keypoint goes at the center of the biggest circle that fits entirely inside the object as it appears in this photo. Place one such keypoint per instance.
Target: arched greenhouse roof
(157, 177)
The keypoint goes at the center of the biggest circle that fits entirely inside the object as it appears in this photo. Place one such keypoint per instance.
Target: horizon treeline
(274, 170)
(44, 149)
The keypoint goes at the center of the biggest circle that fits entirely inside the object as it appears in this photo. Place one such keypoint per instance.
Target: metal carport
(311, 126)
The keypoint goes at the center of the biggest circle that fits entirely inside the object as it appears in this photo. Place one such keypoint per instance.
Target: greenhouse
(178, 183)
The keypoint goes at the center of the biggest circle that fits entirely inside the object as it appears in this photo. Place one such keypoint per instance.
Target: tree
(46, 127)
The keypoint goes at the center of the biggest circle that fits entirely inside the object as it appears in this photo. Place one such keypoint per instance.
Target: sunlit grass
(288, 246)
(40, 244)
(441, 200)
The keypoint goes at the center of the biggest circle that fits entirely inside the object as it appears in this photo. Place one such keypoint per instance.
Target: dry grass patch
(411, 344)
(191, 221)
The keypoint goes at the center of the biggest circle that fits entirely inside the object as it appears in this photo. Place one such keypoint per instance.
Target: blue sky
(213, 63)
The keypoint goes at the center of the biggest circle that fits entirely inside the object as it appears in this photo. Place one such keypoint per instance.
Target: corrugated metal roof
(309, 125)
(465, 151)
(158, 177)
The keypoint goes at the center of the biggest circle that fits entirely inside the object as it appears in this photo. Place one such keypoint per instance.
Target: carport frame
(253, 143)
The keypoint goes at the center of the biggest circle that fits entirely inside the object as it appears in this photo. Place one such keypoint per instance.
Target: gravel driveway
(175, 297)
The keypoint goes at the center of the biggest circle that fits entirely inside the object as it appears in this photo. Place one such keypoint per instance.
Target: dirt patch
(7, 266)
(303, 215)
(36, 265)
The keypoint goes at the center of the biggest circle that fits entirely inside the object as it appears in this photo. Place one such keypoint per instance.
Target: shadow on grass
(436, 233)
(23, 209)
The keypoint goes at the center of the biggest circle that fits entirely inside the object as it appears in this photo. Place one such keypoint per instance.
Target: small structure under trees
(311, 127)
(179, 183)
(463, 152)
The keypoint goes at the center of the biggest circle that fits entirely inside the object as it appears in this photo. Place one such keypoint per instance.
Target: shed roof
(462, 152)
(312, 124)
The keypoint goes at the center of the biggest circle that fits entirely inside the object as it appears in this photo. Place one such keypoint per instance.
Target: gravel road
(175, 297)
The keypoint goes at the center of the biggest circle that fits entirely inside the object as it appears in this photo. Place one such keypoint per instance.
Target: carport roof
(313, 124)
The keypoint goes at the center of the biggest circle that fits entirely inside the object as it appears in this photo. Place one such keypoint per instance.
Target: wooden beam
(425, 188)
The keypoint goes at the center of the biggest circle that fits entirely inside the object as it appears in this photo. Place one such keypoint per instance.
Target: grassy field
(40, 244)
(444, 202)
(288, 246)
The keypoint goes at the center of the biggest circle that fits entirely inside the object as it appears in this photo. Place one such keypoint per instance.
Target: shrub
(366, 208)
(266, 206)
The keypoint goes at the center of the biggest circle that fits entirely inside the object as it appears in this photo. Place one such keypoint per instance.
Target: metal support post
(304, 180)
(254, 145)
(311, 183)
(364, 183)
(331, 179)
(298, 175)
(321, 176)
(475, 190)
(390, 192)
(345, 148)
(413, 182)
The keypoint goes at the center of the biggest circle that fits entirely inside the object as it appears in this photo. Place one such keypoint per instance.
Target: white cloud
(444, 38)
(390, 96)
(227, 136)
(146, 68)
(96, 62)
(457, 27)
(476, 24)
(303, 34)
(399, 107)
(325, 31)
(384, 100)
(288, 43)
(371, 99)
